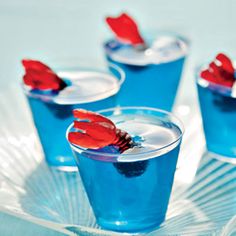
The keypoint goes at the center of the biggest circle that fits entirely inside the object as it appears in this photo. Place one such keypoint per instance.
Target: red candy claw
(220, 71)
(125, 29)
(226, 63)
(92, 116)
(40, 76)
(96, 131)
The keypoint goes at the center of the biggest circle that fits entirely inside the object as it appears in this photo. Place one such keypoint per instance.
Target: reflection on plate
(203, 201)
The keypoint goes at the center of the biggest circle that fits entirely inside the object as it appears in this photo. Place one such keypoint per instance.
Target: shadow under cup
(218, 109)
(51, 118)
(130, 192)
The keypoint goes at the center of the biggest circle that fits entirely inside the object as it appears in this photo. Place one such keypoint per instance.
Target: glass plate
(203, 200)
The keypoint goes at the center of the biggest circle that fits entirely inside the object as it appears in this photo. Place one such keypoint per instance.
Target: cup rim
(51, 98)
(153, 34)
(178, 122)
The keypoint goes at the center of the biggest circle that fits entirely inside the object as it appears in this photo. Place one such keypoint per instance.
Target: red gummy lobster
(220, 71)
(96, 131)
(40, 76)
(125, 29)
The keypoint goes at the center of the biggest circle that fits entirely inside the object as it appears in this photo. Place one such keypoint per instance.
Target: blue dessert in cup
(129, 190)
(52, 110)
(217, 100)
(153, 68)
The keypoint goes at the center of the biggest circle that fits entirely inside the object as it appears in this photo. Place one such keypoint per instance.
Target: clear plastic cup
(218, 109)
(153, 74)
(87, 89)
(130, 192)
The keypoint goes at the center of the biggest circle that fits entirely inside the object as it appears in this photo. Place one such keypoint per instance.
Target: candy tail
(123, 140)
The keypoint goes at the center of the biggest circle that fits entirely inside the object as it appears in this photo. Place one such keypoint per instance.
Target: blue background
(52, 30)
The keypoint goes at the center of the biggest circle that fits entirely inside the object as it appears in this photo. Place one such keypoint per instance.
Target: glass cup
(130, 192)
(152, 81)
(53, 114)
(218, 109)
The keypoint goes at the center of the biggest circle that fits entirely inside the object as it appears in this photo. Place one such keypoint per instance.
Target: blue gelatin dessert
(52, 109)
(217, 98)
(128, 180)
(153, 68)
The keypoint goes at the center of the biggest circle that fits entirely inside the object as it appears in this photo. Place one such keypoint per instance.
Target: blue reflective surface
(219, 116)
(129, 197)
(52, 120)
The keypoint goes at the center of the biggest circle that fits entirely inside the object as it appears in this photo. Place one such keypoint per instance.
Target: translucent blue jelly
(147, 84)
(218, 110)
(52, 120)
(52, 113)
(132, 196)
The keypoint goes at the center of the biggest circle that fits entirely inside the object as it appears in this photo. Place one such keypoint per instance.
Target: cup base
(128, 227)
(64, 168)
(67, 168)
(228, 159)
(64, 163)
